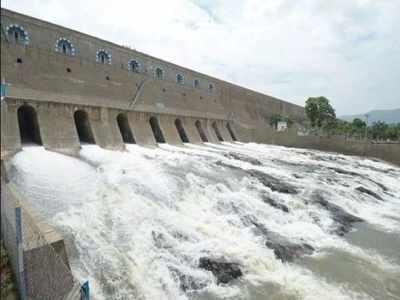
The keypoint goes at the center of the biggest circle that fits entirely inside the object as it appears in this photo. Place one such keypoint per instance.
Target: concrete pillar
(10, 137)
(57, 127)
(141, 129)
(170, 132)
(191, 130)
(104, 129)
(224, 131)
(212, 137)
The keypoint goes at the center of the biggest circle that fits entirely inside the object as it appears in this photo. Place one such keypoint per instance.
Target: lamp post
(366, 127)
(366, 134)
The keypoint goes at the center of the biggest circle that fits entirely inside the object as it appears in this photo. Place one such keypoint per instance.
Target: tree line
(322, 118)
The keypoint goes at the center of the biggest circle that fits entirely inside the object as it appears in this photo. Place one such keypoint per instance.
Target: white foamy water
(137, 222)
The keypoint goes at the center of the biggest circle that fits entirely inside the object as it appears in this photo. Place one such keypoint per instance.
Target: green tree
(393, 132)
(319, 112)
(378, 130)
(273, 121)
(358, 127)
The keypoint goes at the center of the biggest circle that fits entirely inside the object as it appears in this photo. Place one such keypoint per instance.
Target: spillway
(299, 224)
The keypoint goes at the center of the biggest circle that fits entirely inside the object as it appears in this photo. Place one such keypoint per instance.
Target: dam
(135, 178)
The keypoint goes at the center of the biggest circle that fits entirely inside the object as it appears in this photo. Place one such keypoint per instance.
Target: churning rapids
(228, 221)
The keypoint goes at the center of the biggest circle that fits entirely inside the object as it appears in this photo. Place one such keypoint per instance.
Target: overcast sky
(346, 50)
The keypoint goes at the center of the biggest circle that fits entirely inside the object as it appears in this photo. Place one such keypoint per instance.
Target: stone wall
(58, 129)
(260, 134)
(42, 74)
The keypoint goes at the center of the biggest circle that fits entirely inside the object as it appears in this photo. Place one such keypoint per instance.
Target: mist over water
(137, 222)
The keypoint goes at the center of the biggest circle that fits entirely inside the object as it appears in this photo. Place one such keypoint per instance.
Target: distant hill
(389, 116)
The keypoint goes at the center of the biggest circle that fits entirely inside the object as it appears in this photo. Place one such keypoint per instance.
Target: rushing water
(137, 222)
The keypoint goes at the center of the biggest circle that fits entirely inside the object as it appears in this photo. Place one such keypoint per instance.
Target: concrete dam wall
(57, 72)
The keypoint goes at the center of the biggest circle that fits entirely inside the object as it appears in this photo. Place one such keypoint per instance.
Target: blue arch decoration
(180, 79)
(133, 65)
(18, 33)
(103, 56)
(159, 73)
(65, 46)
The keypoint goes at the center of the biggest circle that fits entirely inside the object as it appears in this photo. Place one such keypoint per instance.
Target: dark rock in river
(242, 157)
(345, 172)
(284, 249)
(339, 215)
(224, 271)
(368, 192)
(287, 251)
(273, 203)
(187, 282)
(273, 183)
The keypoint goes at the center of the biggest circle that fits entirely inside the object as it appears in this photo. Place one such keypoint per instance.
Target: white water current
(137, 222)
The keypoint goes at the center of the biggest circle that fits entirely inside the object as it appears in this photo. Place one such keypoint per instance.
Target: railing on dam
(40, 265)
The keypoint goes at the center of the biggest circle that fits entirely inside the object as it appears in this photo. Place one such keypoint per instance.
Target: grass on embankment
(8, 287)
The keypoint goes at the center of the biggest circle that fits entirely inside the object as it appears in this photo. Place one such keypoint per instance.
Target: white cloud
(346, 50)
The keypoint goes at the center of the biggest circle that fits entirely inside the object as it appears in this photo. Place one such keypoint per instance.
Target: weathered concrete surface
(46, 270)
(43, 76)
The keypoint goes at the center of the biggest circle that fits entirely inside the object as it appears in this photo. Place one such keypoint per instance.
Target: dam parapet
(59, 71)
(37, 251)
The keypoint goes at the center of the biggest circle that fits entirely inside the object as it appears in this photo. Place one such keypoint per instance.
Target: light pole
(366, 134)
(366, 127)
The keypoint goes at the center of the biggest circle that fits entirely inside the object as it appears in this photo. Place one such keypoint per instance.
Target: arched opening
(158, 135)
(133, 66)
(228, 126)
(125, 129)
(201, 131)
(102, 56)
(216, 130)
(28, 125)
(181, 131)
(83, 127)
(179, 78)
(159, 74)
(64, 46)
(17, 34)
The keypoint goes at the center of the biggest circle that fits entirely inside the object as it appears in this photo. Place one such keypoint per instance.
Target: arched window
(201, 131)
(196, 83)
(133, 66)
(28, 125)
(217, 133)
(103, 56)
(210, 88)
(17, 34)
(179, 79)
(65, 46)
(159, 73)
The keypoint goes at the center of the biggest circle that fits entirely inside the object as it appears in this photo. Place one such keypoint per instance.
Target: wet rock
(187, 282)
(223, 164)
(368, 192)
(287, 251)
(284, 249)
(160, 240)
(224, 271)
(383, 187)
(344, 172)
(273, 183)
(273, 203)
(343, 219)
(242, 157)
